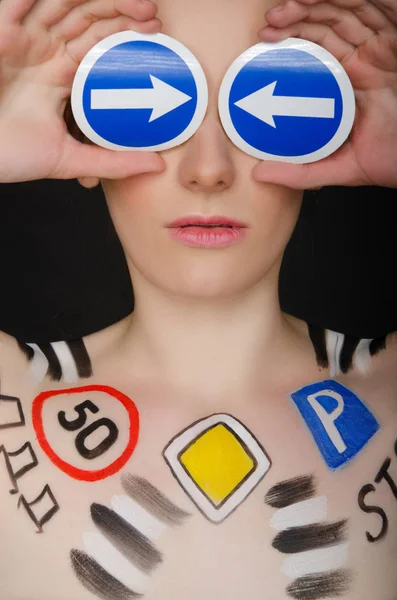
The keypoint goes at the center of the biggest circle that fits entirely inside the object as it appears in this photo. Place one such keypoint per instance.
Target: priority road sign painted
(290, 101)
(136, 91)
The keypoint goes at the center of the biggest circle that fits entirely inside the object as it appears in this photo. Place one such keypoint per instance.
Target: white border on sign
(129, 36)
(216, 515)
(346, 88)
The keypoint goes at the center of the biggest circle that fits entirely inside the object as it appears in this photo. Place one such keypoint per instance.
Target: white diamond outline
(188, 435)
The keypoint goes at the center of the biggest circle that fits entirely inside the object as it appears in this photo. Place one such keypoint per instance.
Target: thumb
(84, 160)
(337, 169)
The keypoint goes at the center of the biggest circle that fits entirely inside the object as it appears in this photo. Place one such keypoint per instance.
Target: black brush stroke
(27, 350)
(347, 353)
(321, 585)
(98, 581)
(127, 539)
(377, 345)
(291, 491)
(310, 537)
(81, 358)
(152, 500)
(21, 416)
(54, 371)
(318, 339)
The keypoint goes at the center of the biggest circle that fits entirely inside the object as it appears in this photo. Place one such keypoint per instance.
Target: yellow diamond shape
(217, 462)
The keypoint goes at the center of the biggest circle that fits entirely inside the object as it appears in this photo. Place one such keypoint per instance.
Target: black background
(63, 273)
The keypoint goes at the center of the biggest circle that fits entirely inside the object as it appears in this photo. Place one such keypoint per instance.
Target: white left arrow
(162, 98)
(264, 105)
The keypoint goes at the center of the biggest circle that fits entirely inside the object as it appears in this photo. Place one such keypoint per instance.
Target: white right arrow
(162, 98)
(264, 105)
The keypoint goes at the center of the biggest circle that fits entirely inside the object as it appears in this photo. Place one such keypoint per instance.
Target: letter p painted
(338, 420)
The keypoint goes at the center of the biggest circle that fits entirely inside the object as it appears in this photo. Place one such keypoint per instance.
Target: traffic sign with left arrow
(290, 101)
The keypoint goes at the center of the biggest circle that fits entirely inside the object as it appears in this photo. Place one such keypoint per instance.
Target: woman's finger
(338, 169)
(47, 13)
(84, 160)
(13, 11)
(77, 48)
(80, 18)
(346, 23)
(319, 34)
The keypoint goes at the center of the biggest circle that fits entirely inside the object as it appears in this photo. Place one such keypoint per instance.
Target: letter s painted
(367, 508)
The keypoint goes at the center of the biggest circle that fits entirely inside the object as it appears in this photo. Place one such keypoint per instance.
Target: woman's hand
(42, 43)
(362, 35)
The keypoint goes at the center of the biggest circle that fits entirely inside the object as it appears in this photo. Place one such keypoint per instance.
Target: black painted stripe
(291, 491)
(126, 538)
(310, 537)
(318, 337)
(321, 585)
(152, 500)
(27, 350)
(54, 371)
(347, 353)
(81, 358)
(377, 345)
(98, 581)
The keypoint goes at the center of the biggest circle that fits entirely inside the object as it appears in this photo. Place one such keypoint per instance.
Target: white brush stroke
(138, 517)
(67, 362)
(362, 357)
(110, 559)
(335, 343)
(39, 363)
(302, 513)
(316, 561)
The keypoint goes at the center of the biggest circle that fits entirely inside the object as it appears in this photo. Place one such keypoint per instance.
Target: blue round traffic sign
(139, 92)
(290, 101)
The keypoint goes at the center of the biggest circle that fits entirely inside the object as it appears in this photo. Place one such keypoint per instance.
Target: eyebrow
(154, 501)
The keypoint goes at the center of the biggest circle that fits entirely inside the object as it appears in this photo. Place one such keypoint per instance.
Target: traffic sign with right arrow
(137, 91)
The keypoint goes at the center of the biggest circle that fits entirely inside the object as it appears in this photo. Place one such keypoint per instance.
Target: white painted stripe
(39, 363)
(362, 356)
(316, 561)
(334, 347)
(67, 362)
(110, 559)
(302, 513)
(138, 517)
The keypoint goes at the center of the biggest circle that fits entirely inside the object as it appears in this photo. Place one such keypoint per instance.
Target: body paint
(97, 580)
(342, 353)
(77, 427)
(127, 539)
(30, 463)
(118, 560)
(67, 361)
(218, 463)
(11, 412)
(45, 497)
(317, 549)
(321, 585)
(20, 462)
(153, 501)
(383, 475)
(339, 421)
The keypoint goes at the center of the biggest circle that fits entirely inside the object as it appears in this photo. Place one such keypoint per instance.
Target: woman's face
(207, 176)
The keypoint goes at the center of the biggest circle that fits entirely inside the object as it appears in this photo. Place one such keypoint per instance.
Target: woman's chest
(109, 496)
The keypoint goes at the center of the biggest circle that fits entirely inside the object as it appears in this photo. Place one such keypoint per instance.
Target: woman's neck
(222, 346)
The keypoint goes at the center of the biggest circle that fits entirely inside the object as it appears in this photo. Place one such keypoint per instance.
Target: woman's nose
(206, 164)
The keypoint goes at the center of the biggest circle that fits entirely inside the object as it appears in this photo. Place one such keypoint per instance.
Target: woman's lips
(197, 220)
(208, 237)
